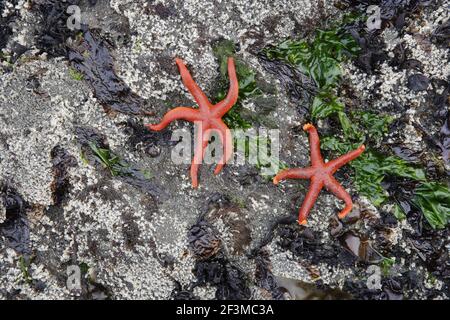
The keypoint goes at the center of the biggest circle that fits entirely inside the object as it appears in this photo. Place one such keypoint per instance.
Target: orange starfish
(320, 174)
(208, 117)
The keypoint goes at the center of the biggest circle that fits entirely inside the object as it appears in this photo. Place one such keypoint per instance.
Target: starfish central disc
(207, 117)
(320, 175)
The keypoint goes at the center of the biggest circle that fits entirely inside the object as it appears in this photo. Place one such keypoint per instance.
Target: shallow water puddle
(299, 290)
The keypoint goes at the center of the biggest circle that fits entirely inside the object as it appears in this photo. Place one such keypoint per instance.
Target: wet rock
(265, 279)
(119, 169)
(391, 288)
(418, 82)
(53, 29)
(91, 56)
(305, 243)
(15, 228)
(432, 247)
(233, 218)
(97, 291)
(147, 141)
(336, 227)
(85, 135)
(179, 293)
(248, 175)
(298, 86)
(213, 266)
(61, 161)
(360, 247)
(299, 290)
(412, 64)
(442, 34)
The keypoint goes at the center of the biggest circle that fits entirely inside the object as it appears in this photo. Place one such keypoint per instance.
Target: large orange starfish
(208, 117)
(320, 174)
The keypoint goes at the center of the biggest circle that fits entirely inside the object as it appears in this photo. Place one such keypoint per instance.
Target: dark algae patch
(53, 29)
(299, 86)
(433, 199)
(90, 55)
(146, 141)
(213, 266)
(5, 28)
(61, 161)
(15, 229)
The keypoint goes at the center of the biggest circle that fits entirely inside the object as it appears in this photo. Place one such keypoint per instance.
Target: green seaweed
(371, 167)
(115, 165)
(321, 58)
(84, 267)
(386, 265)
(24, 267)
(248, 86)
(398, 212)
(252, 145)
(324, 105)
(433, 199)
(75, 75)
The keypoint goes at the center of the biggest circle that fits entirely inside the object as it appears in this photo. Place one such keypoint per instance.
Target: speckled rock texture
(157, 238)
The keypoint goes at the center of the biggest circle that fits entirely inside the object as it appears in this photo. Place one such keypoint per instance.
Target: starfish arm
(180, 113)
(310, 199)
(199, 153)
(192, 86)
(334, 187)
(227, 143)
(297, 173)
(314, 142)
(225, 105)
(335, 164)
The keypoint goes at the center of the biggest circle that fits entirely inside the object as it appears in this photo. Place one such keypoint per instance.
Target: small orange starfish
(320, 175)
(207, 116)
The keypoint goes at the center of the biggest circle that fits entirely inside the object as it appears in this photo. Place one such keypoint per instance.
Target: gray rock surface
(130, 244)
